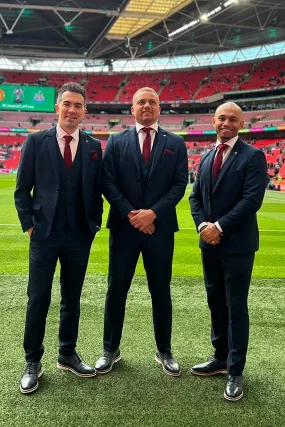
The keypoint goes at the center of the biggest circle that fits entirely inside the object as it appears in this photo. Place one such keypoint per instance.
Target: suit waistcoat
(70, 206)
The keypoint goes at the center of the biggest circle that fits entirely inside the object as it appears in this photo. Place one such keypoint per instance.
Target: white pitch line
(181, 228)
(9, 225)
(273, 231)
(275, 199)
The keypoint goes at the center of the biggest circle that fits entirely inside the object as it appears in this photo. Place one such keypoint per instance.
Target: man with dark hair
(228, 192)
(62, 168)
(145, 172)
(71, 87)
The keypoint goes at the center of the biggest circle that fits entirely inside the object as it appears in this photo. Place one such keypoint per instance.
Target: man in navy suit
(62, 167)
(144, 177)
(226, 196)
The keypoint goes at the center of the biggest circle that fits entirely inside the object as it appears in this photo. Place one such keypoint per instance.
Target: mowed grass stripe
(137, 392)
(187, 259)
(181, 228)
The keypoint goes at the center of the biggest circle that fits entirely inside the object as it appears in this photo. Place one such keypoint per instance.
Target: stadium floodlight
(184, 27)
(204, 17)
(230, 2)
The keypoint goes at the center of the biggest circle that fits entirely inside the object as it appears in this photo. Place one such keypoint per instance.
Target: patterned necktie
(218, 160)
(67, 157)
(146, 144)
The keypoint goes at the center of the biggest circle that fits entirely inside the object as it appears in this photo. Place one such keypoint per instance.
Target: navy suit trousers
(72, 249)
(227, 280)
(126, 244)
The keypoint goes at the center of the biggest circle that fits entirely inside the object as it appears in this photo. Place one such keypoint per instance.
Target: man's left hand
(142, 218)
(211, 234)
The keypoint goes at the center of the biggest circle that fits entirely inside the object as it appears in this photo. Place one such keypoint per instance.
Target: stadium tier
(105, 122)
(224, 79)
(172, 87)
(274, 149)
(182, 86)
(268, 73)
(136, 81)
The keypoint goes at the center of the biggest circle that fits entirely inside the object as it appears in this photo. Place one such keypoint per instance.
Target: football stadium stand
(172, 87)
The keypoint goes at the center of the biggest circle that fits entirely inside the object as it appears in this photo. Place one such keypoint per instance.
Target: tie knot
(222, 147)
(147, 131)
(68, 138)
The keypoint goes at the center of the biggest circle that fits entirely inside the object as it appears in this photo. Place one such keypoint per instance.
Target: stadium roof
(106, 30)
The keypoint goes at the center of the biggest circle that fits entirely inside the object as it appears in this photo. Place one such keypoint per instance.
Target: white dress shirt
(142, 134)
(60, 133)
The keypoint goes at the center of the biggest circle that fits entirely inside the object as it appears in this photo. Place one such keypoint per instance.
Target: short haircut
(230, 104)
(71, 87)
(145, 89)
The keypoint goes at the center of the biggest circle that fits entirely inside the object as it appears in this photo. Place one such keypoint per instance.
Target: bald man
(226, 196)
(145, 172)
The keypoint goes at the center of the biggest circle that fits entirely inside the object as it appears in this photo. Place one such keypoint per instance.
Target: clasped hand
(142, 219)
(210, 234)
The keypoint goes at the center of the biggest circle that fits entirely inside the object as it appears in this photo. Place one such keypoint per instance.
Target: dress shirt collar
(154, 126)
(230, 142)
(61, 133)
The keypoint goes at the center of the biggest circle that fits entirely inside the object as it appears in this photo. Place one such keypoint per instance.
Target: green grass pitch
(137, 392)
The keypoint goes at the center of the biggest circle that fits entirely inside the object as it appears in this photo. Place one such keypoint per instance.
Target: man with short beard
(145, 172)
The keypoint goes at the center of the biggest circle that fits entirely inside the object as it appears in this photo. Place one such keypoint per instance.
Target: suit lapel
(233, 155)
(208, 165)
(132, 143)
(53, 149)
(160, 144)
(83, 144)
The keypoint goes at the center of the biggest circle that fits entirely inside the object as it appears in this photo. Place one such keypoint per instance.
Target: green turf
(137, 392)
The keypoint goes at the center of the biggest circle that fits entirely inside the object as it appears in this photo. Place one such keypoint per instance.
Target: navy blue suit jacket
(234, 199)
(122, 183)
(38, 172)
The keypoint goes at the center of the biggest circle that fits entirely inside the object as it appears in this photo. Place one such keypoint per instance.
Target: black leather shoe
(213, 366)
(107, 360)
(169, 364)
(29, 381)
(74, 364)
(233, 389)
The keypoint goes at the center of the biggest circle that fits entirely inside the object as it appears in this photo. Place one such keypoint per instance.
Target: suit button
(52, 207)
(56, 191)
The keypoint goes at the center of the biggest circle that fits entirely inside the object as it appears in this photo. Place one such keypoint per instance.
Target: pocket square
(168, 152)
(94, 155)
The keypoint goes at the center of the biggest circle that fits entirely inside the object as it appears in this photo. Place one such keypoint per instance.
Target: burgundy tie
(218, 160)
(67, 151)
(146, 144)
